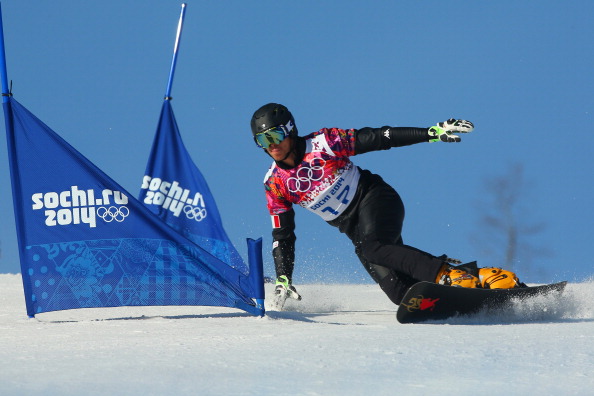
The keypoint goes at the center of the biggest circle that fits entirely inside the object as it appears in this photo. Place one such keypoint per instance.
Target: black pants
(373, 222)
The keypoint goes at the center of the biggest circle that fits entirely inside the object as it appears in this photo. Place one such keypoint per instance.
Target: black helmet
(271, 115)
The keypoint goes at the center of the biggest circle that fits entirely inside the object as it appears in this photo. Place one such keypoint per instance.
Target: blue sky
(521, 71)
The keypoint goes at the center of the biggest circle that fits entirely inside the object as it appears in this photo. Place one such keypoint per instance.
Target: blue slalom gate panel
(86, 242)
(174, 189)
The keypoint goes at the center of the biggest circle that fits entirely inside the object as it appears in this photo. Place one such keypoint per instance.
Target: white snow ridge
(340, 340)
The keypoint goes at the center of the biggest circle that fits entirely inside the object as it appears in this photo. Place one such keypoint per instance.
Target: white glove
(443, 131)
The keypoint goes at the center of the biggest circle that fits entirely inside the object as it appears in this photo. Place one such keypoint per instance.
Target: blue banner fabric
(174, 189)
(85, 242)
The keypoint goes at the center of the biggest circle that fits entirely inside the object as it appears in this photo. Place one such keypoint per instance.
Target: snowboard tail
(431, 301)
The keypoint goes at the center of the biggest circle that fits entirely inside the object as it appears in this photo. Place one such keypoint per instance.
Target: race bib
(336, 197)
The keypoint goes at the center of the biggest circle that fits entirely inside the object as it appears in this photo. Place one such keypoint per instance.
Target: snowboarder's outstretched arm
(386, 137)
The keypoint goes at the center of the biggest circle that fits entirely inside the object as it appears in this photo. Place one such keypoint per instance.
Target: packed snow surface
(340, 340)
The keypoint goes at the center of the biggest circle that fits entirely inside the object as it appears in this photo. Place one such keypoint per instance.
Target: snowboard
(431, 301)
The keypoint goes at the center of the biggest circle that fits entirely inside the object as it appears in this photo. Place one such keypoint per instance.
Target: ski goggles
(274, 135)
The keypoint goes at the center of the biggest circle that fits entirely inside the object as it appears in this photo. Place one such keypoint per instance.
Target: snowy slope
(340, 340)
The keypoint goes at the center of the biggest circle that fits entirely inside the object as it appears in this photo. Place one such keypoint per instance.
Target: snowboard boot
(284, 286)
(456, 276)
(497, 278)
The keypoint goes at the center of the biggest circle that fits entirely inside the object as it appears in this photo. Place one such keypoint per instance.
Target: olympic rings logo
(113, 213)
(195, 213)
(305, 175)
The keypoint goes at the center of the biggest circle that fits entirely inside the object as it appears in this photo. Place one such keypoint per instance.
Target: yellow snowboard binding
(468, 275)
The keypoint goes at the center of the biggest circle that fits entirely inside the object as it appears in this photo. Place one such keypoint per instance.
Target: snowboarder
(315, 172)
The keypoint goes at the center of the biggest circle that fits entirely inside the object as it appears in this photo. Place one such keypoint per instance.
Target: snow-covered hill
(340, 340)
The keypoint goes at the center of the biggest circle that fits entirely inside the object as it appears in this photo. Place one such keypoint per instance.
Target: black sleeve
(373, 139)
(283, 245)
